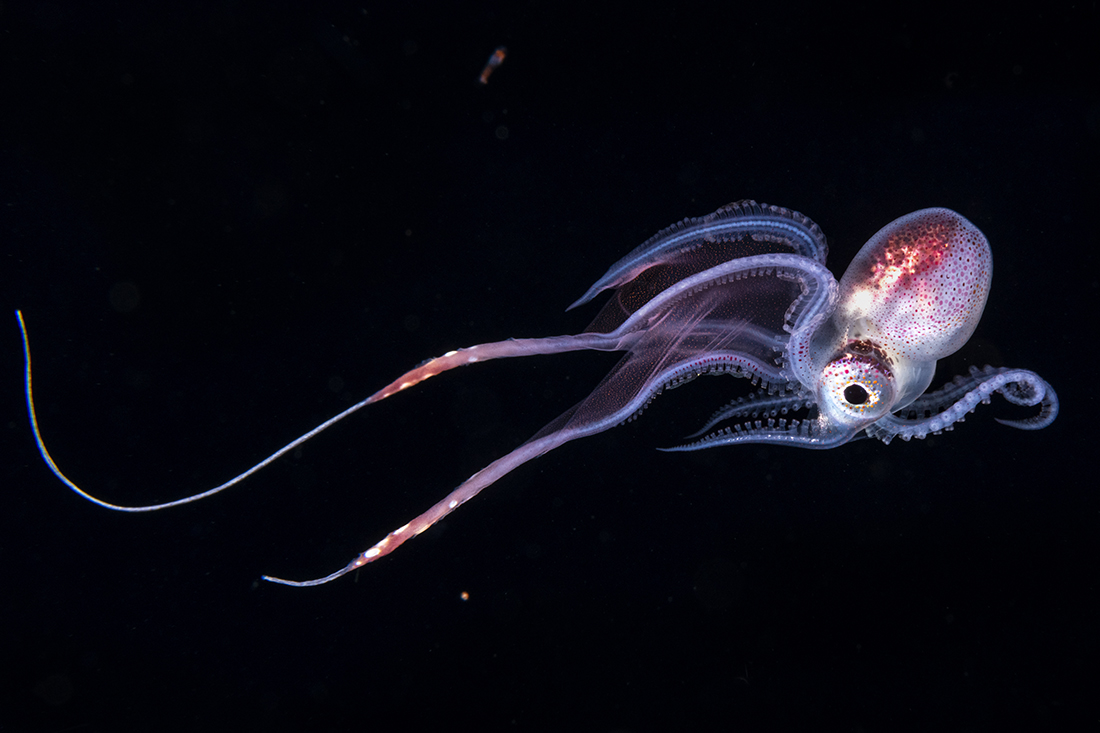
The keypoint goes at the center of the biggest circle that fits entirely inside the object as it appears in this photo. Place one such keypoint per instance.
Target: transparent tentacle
(938, 411)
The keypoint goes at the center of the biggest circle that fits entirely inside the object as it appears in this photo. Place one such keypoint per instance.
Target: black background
(225, 222)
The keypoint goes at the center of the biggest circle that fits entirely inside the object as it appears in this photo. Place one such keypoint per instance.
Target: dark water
(228, 222)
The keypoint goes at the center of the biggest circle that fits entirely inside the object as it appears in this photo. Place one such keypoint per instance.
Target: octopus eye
(855, 389)
(855, 394)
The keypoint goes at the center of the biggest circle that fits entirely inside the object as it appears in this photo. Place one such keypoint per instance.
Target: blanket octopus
(745, 292)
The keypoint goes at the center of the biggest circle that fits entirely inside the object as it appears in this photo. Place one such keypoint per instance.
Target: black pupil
(855, 394)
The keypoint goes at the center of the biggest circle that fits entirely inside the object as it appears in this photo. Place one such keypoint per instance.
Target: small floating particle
(494, 61)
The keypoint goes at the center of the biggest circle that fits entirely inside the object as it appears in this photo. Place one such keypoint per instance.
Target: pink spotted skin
(922, 281)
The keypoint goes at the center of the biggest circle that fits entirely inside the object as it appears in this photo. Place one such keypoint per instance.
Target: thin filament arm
(467, 490)
(32, 412)
(430, 368)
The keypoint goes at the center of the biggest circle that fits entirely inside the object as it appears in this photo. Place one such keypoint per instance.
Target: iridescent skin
(744, 291)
